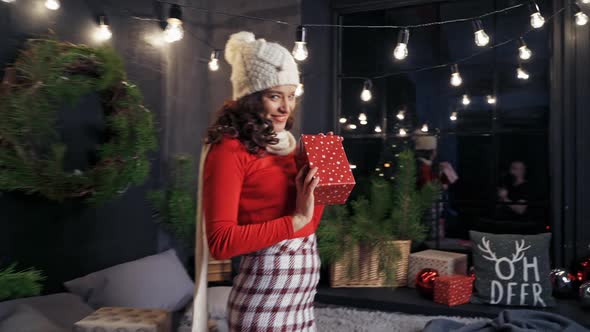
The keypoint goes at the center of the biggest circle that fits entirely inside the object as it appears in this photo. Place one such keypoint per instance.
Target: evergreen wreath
(46, 74)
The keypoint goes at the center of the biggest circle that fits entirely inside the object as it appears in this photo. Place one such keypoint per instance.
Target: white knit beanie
(258, 65)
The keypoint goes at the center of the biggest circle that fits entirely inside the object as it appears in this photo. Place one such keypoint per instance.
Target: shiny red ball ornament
(425, 282)
(583, 270)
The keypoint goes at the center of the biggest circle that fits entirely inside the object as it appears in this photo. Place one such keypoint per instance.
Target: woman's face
(279, 102)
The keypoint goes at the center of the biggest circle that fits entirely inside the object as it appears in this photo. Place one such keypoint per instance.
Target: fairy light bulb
(174, 31)
(524, 52)
(537, 20)
(214, 62)
(401, 50)
(342, 120)
(52, 4)
(299, 90)
(300, 52)
(362, 117)
(585, 1)
(103, 32)
(378, 130)
(522, 74)
(366, 95)
(424, 128)
(364, 122)
(453, 116)
(352, 126)
(491, 99)
(465, 100)
(456, 79)
(481, 37)
(401, 115)
(581, 17)
(402, 132)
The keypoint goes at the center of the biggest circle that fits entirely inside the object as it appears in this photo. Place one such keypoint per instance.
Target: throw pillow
(26, 319)
(512, 269)
(158, 281)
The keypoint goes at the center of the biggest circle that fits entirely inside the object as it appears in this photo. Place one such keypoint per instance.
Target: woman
(255, 201)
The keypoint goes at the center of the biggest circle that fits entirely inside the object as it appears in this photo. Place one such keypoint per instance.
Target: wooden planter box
(366, 272)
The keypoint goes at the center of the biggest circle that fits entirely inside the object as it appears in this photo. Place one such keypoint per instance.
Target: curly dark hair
(245, 120)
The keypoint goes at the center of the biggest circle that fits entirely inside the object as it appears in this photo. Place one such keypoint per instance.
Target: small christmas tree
(391, 211)
(17, 284)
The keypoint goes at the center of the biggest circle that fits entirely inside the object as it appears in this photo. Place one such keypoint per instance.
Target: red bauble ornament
(583, 270)
(425, 282)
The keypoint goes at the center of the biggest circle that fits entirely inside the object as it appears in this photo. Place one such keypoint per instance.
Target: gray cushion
(512, 269)
(157, 281)
(62, 308)
(26, 319)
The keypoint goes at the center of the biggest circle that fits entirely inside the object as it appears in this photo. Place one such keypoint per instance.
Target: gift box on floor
(327, 153)
(453, 289)
(444, 262)
(115, 319)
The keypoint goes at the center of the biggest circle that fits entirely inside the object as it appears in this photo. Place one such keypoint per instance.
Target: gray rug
(340, 319)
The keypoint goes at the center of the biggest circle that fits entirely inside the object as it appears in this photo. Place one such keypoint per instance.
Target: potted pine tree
(367, 241)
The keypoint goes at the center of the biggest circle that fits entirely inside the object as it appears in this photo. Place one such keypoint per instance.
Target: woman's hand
(306, 181)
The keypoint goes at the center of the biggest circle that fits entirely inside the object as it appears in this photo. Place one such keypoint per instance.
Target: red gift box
(453, 289)
(327, 154)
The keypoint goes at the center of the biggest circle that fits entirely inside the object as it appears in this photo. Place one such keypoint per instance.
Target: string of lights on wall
(174, 32)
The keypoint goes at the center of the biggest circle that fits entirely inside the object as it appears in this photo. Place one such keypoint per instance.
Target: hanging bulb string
(448, 64)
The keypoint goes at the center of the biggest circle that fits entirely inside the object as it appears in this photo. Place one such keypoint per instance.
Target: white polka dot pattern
(336, 179)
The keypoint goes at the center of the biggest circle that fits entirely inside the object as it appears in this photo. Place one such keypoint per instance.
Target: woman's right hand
(306, 181)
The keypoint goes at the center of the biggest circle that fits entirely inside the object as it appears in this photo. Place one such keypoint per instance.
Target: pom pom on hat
(235, 43)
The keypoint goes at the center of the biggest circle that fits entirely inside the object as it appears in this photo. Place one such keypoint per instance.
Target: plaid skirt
(275, 288)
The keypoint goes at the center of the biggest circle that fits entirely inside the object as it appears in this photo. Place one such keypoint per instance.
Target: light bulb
(465, 100)
(491, 99)
(174, 31)
(424, 128)
(585, 1)
(453, 116)
(537, 20)
(581, 18)
(342, 120)
(522, 74)
(352, 126)
(214, 66)
(103, 32)
(362, 117)
(524, 52)
(363, 122)
(456, 79)
(402, 132)
(366, 94)
(52, 4)
(299, 90)
(352, 166)
(481, 38)
(378, 130)
(401, 115)
(401, 51)
(300, 51)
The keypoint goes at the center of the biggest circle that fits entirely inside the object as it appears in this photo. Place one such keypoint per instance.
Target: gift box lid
(327, 153)
(453, 279)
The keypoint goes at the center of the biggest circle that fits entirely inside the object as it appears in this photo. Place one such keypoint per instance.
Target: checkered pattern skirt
(275, 288)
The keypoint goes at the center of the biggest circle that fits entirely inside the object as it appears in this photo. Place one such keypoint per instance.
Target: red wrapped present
(453, 289)
(327, 153)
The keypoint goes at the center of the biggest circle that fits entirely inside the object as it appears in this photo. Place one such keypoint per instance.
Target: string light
(521, 73)
(585, 1)
(378, 130)
(352, 166)
(174, 31)
(299, 90)
(401, 50)
(300, 49)
(465, 100)
(364, 123)
(491, 99)
(366, 95)
(401, 115)
(453, 116)
(481, 37)
(424, 128)
(351, 126)
(387, 165)
(456, 79)
(537, 20)
(52, 4)
(214, 62)
(580, 16)
(524, 52)
(342, 120)
(362, 117)
(402, 132)
(103, 32)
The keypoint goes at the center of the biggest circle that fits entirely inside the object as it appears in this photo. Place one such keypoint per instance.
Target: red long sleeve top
(249, 200)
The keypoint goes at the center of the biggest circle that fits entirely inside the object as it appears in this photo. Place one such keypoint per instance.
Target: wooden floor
(407, 300)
